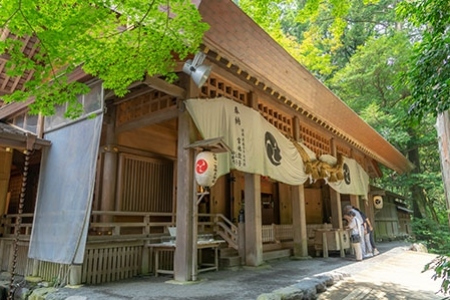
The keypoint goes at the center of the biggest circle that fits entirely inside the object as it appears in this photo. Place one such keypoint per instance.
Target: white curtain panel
(65, 193)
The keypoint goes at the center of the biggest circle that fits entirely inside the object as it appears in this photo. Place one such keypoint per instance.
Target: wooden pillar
(354, 201)
(109, 178)
(184, 259)
(183, 264)
(5, 172)
(253, 221)
(299, 221)
(335, 197)
(336, 209)
(298, 209)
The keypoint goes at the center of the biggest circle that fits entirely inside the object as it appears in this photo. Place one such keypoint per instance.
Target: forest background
(387, 59)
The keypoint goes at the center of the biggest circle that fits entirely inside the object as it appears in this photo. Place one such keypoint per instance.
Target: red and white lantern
(206, 168)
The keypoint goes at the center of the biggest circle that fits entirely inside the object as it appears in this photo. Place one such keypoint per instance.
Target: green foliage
(429, 76)
(368, 85)
(116, 41)
(441, 267)
(435, 236)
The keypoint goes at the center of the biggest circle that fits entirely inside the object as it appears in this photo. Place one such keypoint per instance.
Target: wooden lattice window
(315, 140)
(280, 120)
(216, 86)
(144, 105)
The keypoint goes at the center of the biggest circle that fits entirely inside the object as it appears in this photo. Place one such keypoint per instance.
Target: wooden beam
(164, 86)
(147, 120)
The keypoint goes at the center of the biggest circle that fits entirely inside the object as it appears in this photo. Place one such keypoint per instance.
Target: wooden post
(299, 210)
(299, 222)
(75, 275)
(183, 259)
(443, 128)
(324, 244)
(354, 201)
(253, 220)
(109, 178)
(336, 210)
(183, 267)
(35, 271)
(5, 171)
(335, 198)
(241, 239)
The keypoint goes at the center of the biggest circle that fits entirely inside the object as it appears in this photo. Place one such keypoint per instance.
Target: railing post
(147, 225)
(35, 271)
(75, 275)
(145, 248)
(116, 230)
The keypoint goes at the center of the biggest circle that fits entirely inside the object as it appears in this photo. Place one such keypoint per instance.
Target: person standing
(349, 208)
(369, 239)
(355, 230)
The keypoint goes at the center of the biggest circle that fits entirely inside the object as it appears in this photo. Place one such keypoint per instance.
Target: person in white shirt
(355, 229)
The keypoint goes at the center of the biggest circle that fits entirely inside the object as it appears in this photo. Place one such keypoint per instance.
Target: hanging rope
(318, 169)
(12, 288)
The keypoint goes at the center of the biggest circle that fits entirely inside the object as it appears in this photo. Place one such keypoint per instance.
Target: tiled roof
(236, 37)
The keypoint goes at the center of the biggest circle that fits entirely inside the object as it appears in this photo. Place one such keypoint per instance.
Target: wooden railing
(227, 230)
(9, 225)
(277, 233)
(115, 246)
(110, 225)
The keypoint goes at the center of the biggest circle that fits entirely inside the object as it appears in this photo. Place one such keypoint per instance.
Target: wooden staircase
(229, 258)
(228, 254)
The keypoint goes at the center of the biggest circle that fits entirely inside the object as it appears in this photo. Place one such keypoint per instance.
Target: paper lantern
(206, 169)
(378, 202)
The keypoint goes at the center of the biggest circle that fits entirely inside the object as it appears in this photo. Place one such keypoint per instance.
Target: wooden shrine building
(115, 196)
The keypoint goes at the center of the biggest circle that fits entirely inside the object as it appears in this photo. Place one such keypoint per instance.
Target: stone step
(227, 252)
(230, 262)
(276, 254)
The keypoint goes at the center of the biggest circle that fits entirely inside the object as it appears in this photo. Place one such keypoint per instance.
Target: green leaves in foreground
(116, 41)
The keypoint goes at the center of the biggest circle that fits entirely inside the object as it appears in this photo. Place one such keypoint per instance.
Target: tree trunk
(443, 128)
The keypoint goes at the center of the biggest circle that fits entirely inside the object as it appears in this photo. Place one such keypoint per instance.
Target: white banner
(257, 147)
(356, 180)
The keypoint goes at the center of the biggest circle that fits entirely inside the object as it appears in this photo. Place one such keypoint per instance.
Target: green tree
(371, 85)
(429, 75)
(359, 50)
(117, 41)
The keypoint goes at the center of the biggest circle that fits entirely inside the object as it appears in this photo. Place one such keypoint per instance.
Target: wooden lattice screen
(145, 184)
(280, 120)
(143, 106)
(216, 86)
(315, 140)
